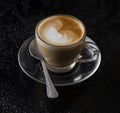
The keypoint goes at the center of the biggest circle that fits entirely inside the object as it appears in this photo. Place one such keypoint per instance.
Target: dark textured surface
(98, 94)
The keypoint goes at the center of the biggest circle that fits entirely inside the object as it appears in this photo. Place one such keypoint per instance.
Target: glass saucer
(32, 67)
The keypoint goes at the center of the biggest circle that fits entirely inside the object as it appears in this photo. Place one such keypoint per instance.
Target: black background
(98, 94)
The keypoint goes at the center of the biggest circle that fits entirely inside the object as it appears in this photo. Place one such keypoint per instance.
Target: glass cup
(61, 59)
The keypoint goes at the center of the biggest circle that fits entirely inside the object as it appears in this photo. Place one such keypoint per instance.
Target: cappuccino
(60, 39)
(60, 30)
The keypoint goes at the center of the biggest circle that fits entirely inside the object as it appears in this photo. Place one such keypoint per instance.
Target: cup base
(61, 69)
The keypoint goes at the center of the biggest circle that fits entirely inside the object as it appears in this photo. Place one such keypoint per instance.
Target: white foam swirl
(52, 35)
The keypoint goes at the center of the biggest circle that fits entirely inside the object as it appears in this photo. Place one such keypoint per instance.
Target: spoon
(50, 88)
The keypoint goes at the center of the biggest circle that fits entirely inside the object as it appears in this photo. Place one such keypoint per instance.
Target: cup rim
(36, 30)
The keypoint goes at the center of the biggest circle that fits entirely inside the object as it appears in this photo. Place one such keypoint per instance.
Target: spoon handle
(51, 90)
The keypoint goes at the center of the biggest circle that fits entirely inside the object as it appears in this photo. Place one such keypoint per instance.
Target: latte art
(60, 31)
(64, 37)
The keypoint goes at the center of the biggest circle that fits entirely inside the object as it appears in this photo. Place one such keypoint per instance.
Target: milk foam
(53, 36)
(58, 32)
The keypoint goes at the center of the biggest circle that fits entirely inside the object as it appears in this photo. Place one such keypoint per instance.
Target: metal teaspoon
(50, 88)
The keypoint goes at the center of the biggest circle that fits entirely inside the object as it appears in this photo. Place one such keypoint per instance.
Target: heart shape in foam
(56, 36)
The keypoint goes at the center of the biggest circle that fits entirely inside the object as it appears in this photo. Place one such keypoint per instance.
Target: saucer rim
(67, 84)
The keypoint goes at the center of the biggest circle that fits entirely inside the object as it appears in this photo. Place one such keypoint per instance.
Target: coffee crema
(61, 30)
